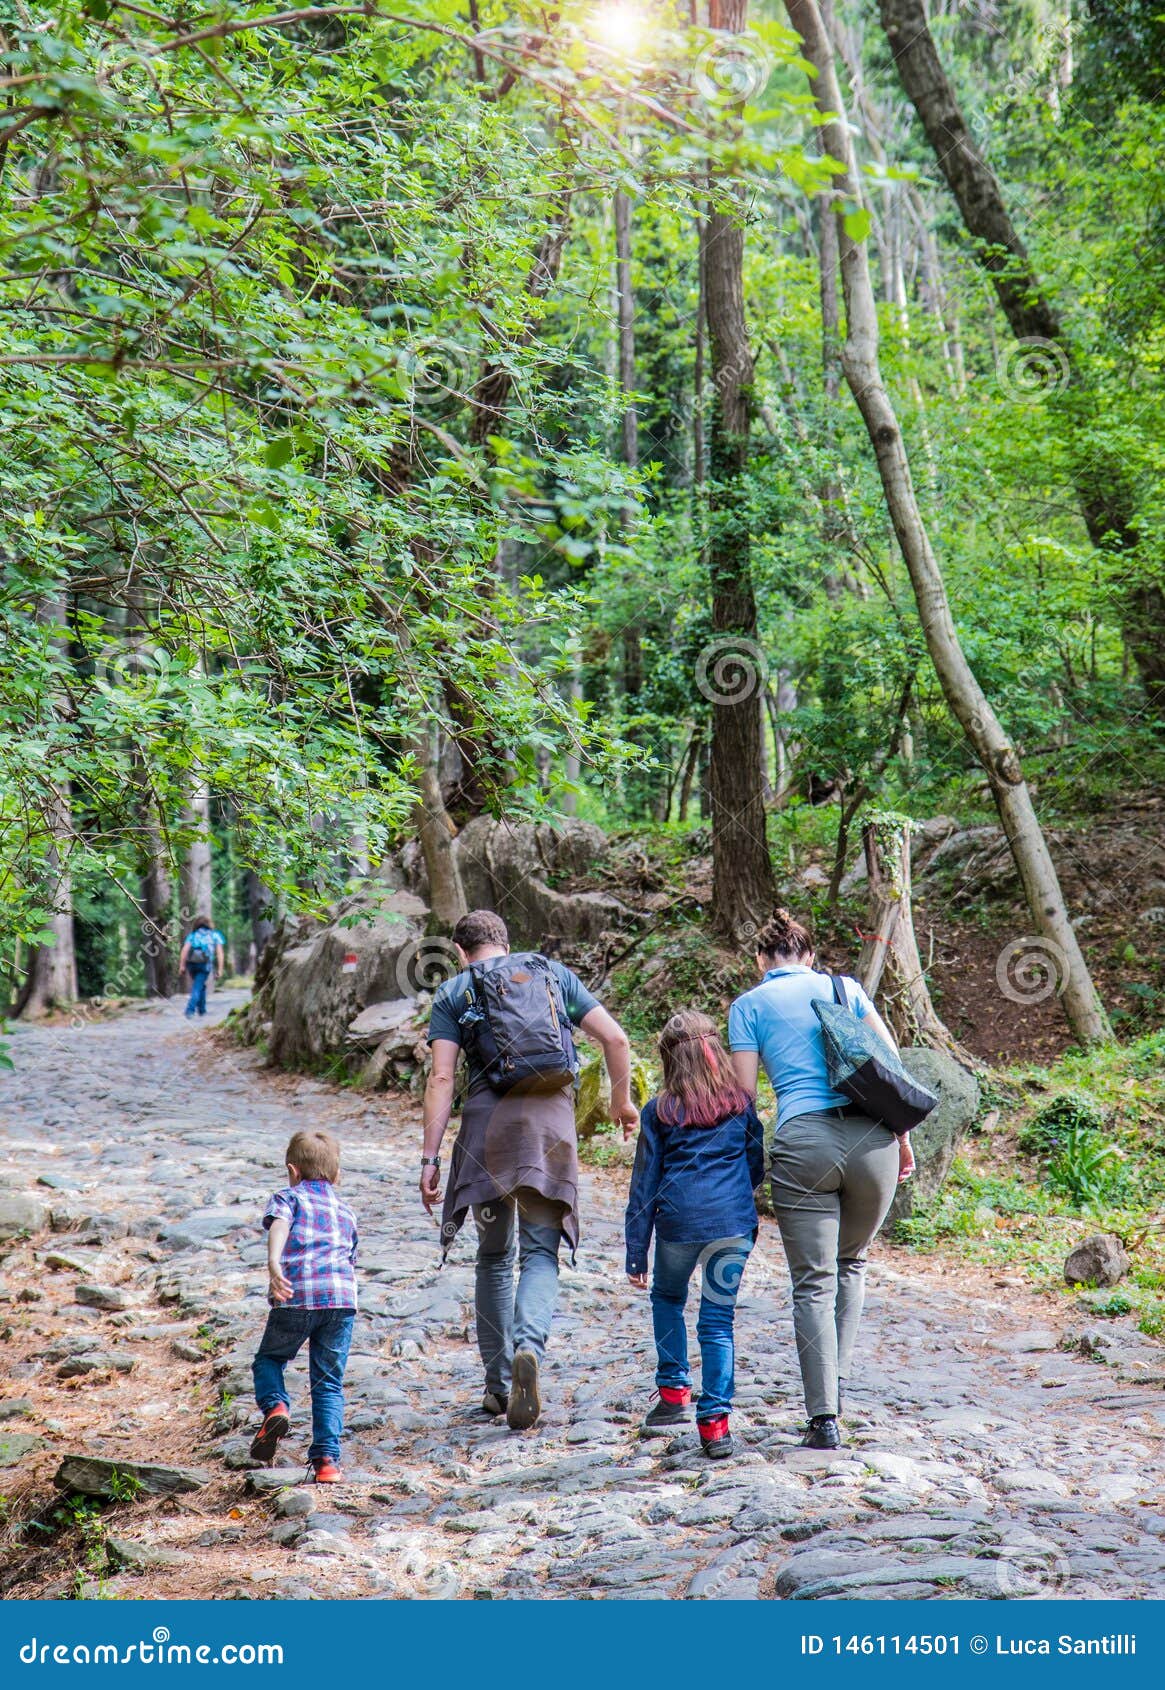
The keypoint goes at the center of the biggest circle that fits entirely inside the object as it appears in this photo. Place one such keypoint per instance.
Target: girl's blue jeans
(721, 1263)
(328, 1334)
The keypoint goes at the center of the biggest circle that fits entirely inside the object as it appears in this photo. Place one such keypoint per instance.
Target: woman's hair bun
(783, 935)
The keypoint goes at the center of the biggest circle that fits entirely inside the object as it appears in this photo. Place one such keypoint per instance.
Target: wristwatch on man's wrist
(430, 1161)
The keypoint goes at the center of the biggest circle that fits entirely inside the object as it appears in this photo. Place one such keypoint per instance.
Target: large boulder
(936, 1141)
(513, 868)
(322, 975)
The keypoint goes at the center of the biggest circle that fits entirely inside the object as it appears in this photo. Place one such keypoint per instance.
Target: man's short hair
(478, 929)
(316, 1155)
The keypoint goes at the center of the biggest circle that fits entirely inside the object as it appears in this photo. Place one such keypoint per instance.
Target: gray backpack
(516, 1024)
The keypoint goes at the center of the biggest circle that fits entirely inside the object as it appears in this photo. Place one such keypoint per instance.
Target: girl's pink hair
(699, 1088)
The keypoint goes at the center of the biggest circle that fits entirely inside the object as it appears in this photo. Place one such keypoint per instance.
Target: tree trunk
(491, 392)
(890, 948)
(1107, 500)
(156, 891)
(960, 688)
(436, 833)
(699, 444)
(52, 968)
(571, 762)
(52, 971)
(626, 301)
(194, 882)
(260, 907)
(742, 879)
(688, 778)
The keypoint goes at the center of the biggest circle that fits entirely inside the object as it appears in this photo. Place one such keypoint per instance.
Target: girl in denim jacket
(699, 1159)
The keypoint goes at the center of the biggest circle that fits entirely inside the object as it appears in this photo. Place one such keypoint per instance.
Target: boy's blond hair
(316, 1155)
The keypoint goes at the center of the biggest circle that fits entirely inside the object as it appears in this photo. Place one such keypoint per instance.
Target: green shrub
(1114, 1305)
(1068, 1112)
(1086, 1168)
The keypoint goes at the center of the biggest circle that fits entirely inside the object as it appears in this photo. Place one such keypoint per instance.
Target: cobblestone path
(983, 1458)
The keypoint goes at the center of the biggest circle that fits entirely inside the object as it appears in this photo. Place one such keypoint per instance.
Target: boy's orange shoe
(327, 1471)
(276, 1425)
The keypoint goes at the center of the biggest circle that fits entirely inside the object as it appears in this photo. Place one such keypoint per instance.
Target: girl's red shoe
(327, 1471)
(715, 1438)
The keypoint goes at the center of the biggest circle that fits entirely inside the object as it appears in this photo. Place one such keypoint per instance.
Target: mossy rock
(593, 1107)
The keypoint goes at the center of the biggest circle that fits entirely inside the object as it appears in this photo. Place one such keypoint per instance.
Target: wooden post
(889, 954)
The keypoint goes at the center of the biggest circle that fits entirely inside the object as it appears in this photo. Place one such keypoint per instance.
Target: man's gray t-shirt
(451, 1000)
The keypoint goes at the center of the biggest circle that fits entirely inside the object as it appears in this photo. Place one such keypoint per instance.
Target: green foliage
(1068, 1112)
(1085, 1168)
(124, 1487)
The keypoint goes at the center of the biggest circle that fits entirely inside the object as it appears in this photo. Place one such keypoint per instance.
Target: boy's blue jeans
(721, 1265)
(196, 1002)
(328, 1333)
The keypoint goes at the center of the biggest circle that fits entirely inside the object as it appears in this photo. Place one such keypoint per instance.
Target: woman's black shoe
(823, 1433)
(665, 1415)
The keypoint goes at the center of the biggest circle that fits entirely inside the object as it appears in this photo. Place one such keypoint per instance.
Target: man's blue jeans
(509, 1321)
(196, 1002)
(328, 1334)
(721, 1265)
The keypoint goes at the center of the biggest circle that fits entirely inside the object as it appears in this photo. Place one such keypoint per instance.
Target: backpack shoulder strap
(838, 984)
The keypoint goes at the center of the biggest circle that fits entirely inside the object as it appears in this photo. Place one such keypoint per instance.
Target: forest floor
(989, 1452)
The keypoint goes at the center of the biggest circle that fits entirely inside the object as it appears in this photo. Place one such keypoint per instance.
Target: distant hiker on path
(202, 956)
(699, 1159)
(834, 1169)
(515, 1161)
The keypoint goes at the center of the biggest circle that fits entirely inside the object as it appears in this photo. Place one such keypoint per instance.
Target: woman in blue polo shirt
(833, 1169)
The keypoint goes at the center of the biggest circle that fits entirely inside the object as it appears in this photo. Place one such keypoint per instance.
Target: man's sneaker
(327, 1471)
(715, 1438)
(671, 1410)
(494, 1403)
(823, 1433)
(525, 1404)
(276, 1425)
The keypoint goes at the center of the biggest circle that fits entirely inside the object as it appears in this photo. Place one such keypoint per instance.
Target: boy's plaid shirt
(319, 1257)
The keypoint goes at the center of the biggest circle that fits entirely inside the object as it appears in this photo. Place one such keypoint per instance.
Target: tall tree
(155, 895)
(742, 876)
(963, 693)
(1107, 499)
(194, 886)
(52, 971)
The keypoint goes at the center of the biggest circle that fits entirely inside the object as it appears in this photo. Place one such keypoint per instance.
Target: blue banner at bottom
(616, 1644)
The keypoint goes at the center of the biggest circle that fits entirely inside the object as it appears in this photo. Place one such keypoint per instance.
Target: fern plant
(1085, 1168)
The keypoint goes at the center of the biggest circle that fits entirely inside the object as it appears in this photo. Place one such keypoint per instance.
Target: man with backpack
(515, 1160)
(202, 955)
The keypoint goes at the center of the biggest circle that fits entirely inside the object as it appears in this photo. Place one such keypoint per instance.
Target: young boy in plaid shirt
(311, 1262)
